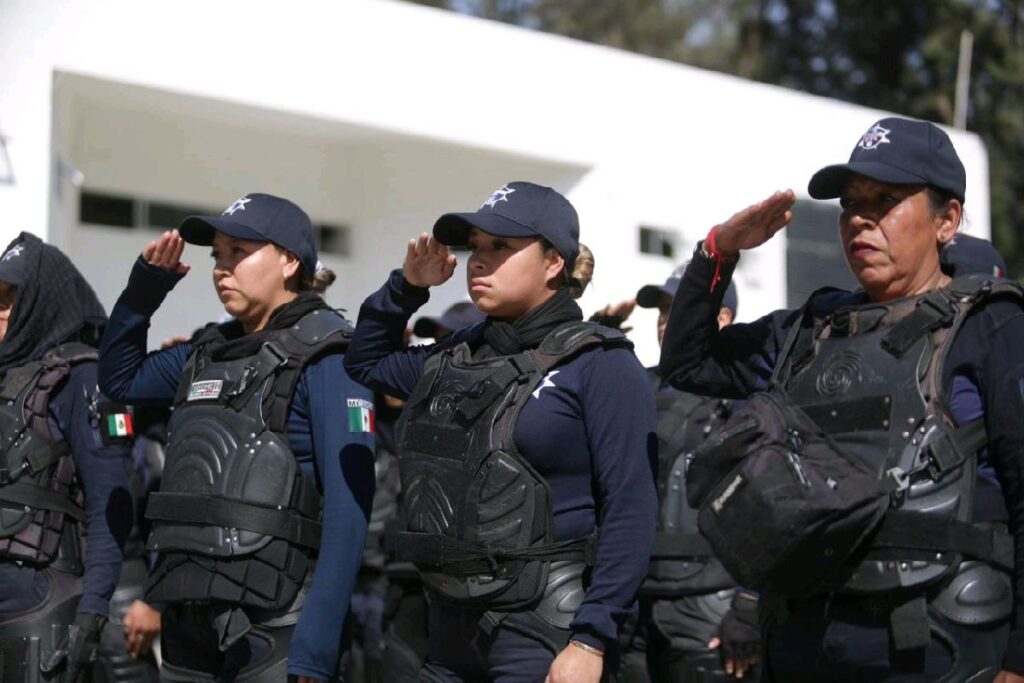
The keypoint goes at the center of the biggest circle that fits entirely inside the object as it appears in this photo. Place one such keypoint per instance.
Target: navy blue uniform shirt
(984, 375)
(102, 472)
(588, 430)
(341, 462)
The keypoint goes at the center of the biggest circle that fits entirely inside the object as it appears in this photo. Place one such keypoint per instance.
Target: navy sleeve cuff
(590, 639)
(408, 296)
(148, 286)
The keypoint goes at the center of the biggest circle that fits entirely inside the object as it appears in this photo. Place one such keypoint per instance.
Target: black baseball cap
(966, 254)
(455, 317)
(900, 151)
(262, 218)
(518, 209)
(649, 296)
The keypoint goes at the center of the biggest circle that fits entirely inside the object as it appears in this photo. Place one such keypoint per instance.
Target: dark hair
(319, 283)
(582, 271)
(939, 199)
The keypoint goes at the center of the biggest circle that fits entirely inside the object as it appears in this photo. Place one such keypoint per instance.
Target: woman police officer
(910, 353)
(254, 570)
(57, 448)
(526, 447)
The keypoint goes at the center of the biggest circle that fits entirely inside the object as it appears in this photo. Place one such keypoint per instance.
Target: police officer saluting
(526, 447)
(261, 515)
(686, 599)
(872, 486)
(62, 442)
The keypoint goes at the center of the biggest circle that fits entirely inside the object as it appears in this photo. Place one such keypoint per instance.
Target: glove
(77, 650)
(740, 633)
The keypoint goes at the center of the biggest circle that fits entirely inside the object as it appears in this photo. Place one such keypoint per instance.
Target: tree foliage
(899, 55)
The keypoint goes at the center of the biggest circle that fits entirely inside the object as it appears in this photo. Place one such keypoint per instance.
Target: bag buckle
(897, 480)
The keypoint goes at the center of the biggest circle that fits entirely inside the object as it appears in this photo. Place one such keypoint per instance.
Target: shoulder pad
(982, 285)
(574, 335)
(314, 328)
(75, 352)
(827, 299)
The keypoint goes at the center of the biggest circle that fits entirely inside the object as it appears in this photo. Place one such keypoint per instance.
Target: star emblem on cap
(237, 205)
(500, 195)
(13, 252)
(875, 136)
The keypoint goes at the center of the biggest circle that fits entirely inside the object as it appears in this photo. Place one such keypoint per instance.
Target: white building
(378, 116)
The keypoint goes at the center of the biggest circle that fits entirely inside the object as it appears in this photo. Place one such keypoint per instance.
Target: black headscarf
(53, 304)
(230, 342)
(503, 338)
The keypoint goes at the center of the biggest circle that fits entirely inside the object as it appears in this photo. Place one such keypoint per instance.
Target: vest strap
(228, 512)
(438, 552)
(34, 496)
(910, 535)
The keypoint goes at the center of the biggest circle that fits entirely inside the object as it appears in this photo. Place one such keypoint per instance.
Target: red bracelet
(712, 251)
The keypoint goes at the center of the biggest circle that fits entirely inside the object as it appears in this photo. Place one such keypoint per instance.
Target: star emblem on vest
(237, 205)
(874, 137)
(545, 383)
(500, 195)
(13, 252)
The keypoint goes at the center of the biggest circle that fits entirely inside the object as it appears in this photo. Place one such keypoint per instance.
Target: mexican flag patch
(360, 416)
(115, 423)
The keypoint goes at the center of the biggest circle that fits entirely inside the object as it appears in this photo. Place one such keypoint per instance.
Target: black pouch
(783, 508)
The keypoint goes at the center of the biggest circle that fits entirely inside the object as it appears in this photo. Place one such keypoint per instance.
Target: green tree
(898, 55)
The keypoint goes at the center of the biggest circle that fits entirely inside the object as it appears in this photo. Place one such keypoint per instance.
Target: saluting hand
(427, 262)
(754, 225)
(166, 251)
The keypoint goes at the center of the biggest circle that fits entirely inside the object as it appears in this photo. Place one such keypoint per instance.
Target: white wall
(384, 114)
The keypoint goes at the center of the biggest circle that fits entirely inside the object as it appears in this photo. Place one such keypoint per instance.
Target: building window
(105, 209)
(657, 241)
(814, 257)
(167, 216)
(333, 239)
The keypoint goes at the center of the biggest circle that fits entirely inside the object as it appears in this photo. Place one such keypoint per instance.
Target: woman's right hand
(427, 262)
(754, 225)
(166, 251)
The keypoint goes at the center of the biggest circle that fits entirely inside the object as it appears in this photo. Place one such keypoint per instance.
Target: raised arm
(126, 372)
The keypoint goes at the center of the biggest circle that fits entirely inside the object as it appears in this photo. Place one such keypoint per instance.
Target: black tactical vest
(480, 524)
(681, 560)
(235, 519)
(38, 490)
(871, 377)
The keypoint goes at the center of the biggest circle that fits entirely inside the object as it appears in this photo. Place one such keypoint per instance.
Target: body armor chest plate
(680, 564)
(479, 516)
(38, 492)
(874, 385)
(235, 518)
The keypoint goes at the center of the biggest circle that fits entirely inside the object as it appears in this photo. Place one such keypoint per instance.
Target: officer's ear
(947, 220)
(291, 268)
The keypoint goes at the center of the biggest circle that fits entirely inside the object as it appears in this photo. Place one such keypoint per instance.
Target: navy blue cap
(262, 218)
(966, 254)
(456, 317)
(518, 209)
(649, 296)
(899, 151)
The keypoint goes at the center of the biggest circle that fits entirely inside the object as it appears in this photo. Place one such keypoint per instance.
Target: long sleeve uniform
(340, 461)
(983, 376)
(588, 430)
